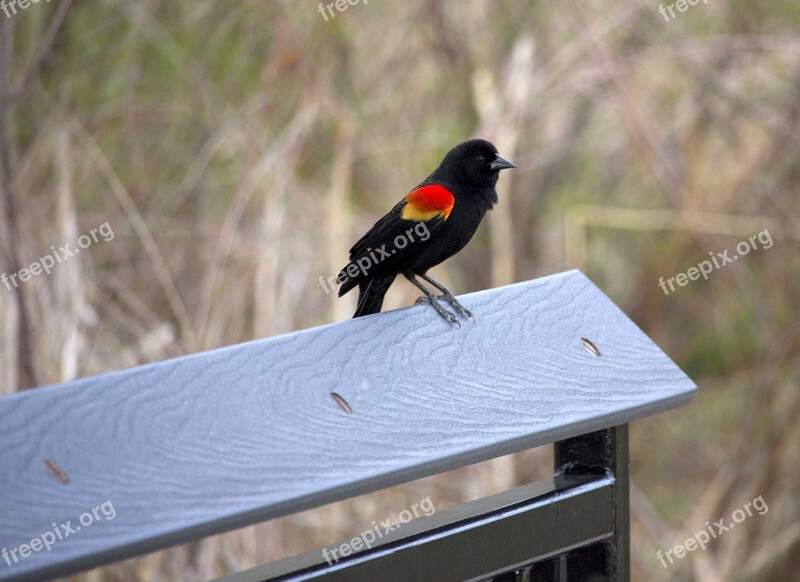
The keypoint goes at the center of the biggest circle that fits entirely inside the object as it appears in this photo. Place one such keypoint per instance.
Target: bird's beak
(500, 163)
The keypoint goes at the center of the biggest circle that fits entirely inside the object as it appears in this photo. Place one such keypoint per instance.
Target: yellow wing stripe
(420, 214)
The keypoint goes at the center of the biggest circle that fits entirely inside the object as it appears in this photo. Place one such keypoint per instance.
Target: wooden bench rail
(202, 444)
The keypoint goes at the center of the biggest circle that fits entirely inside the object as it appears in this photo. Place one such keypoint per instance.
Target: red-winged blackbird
(443, 211)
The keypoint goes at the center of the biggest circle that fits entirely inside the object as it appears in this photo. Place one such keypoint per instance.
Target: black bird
(429, 225)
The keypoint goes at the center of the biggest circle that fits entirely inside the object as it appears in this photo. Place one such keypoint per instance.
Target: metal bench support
(574, 526)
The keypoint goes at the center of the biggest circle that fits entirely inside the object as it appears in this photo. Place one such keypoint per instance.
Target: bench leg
(591, 453)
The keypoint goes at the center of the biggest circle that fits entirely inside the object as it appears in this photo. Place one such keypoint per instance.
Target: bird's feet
(446, 315)
(462, 311)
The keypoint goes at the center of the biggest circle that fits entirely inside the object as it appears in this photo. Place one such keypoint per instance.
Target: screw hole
(56, 471)
(590, 347)
(342, 403)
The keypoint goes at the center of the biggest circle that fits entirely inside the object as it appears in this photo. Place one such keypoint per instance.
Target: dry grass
(236, 149)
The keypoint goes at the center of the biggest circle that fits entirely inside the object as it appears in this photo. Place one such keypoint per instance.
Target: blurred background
(237, 149)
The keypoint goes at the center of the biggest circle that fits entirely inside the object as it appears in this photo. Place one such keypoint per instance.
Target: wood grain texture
(205, 443)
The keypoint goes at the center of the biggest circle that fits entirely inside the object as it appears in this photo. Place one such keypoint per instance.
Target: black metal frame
(574, 526)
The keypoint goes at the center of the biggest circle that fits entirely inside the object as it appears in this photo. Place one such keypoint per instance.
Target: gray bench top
(193, 446)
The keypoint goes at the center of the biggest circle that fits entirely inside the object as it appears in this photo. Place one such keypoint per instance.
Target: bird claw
(462, 311)
(446, 315)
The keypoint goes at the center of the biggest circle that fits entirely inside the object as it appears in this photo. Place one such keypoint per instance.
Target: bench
(197, 445)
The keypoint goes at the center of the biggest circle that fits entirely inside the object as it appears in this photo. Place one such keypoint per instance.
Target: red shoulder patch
(428, 202)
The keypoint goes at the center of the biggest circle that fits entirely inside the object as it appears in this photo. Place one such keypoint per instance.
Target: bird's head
(475, 163)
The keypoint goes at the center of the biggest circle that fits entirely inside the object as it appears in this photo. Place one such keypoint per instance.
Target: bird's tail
(371, 293)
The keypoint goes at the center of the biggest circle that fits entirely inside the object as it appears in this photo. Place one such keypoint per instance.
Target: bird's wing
(414, 219)
(430, 204)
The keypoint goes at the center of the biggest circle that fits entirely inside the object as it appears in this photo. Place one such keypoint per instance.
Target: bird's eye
(481, 159)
